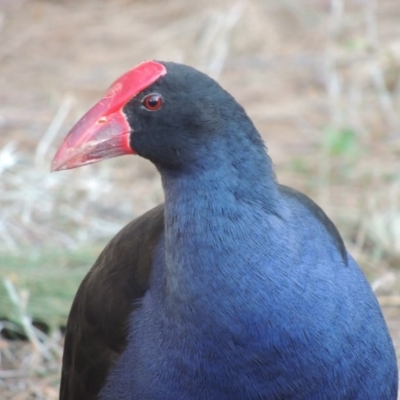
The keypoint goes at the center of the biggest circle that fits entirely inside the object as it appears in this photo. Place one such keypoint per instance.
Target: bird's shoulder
(98, 321)
(314, 210)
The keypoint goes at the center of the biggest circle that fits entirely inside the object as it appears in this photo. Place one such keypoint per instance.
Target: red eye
(153, 102)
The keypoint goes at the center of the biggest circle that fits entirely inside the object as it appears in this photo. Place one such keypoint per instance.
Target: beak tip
(55, 166)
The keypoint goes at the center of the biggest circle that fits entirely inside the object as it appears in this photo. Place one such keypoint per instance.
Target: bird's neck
(216, 221)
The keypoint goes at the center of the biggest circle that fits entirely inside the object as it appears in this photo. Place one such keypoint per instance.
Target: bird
(236, 287)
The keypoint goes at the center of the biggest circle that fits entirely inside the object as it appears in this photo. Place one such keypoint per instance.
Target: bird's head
(169, 113)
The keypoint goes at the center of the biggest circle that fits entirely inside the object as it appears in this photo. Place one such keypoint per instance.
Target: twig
(217, 37)
(52, 130)
(334, 84)
(385, 99)
(384, 281)
(24, 319)
(7, 156)
(377, 75)
(336, 17)
(14, 373)
(371, 24)
(389, 301)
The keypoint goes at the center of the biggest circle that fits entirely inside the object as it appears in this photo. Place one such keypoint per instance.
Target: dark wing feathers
(96, 330)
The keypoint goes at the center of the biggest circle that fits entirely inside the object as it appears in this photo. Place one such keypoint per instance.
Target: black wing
(97, 324)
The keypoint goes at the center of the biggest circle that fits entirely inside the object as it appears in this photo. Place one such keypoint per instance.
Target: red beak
(96, 136)
(104, 132)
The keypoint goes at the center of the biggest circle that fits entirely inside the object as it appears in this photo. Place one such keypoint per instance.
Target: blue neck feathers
(218, 215)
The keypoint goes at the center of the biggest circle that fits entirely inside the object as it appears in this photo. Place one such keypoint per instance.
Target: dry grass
(320, 78)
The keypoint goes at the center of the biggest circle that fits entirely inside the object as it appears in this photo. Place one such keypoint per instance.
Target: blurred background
(319, 78)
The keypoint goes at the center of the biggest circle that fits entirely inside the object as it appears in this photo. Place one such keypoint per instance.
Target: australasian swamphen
(236, 287)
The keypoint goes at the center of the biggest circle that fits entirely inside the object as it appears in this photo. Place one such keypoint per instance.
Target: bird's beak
(104, 132)
(99, 134)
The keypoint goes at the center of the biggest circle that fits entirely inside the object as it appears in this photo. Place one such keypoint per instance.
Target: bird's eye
(153, 102)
